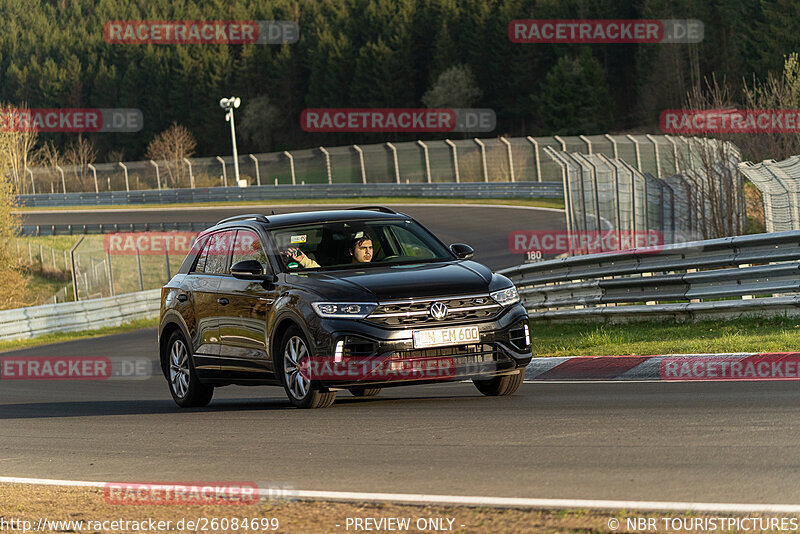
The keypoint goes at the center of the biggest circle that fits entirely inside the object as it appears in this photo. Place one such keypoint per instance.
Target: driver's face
(363, 253)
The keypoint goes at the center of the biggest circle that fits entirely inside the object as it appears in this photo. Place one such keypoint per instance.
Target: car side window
(412, 246)
(202, 256)
(249, 247)
(216, 252)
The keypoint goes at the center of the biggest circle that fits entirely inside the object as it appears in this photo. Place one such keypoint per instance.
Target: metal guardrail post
(74, 270)
(361, 160)
(483, 159)
(125, 168)
(94, 173)
(224, 171)
(255, 164)
(396, 164)
(158, 174)
(510, 157)
(427, 160)
(33, 185)
(455, 158)
(63, 183)
(536, 157)
(191, 174)
(291, 165)
(327, 163)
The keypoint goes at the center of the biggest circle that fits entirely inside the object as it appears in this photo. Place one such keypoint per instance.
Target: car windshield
(343, 244)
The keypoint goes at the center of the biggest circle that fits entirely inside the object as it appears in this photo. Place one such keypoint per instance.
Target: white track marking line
(237, 206)
(414, 498)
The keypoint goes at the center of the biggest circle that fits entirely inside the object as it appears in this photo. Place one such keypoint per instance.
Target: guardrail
(75, 316)
(308, 191)
(718, 278)
(90, 229)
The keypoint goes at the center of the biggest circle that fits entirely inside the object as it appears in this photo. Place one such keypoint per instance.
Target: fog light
(527, 334)
(337, 355)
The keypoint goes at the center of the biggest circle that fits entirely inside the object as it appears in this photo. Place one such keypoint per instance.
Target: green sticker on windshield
(293, 265)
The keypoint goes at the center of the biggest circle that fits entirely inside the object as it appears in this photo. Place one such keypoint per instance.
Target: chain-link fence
(608, 194)
(779, 183)
(515, 159)
(50, 264)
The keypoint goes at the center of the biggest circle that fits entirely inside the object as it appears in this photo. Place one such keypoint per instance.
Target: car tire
(184, 385)
(302, 392)
(364, 391)
(500, 386)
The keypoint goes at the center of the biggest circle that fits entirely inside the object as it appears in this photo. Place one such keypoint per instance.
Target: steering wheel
(392, 257)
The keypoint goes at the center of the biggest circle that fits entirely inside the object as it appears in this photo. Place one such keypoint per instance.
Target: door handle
(223, 301)
(183, 298)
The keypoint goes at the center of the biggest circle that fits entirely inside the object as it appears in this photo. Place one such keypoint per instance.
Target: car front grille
(410, 313)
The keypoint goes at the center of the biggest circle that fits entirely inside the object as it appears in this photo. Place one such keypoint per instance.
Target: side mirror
(462, 251)
(249, 270)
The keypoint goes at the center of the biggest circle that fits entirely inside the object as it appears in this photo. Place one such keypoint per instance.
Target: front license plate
(445, 336)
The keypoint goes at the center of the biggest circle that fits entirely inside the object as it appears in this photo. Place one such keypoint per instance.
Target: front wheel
(186, 389)
(301, 390)
(500, 385)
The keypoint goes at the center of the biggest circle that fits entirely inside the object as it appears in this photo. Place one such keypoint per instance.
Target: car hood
(401, 281)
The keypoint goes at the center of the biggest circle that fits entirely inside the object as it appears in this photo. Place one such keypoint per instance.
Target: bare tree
(171, 146)
(19, 146)
(79, 154)
(15, 283)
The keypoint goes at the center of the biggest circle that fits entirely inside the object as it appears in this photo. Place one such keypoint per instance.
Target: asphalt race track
(485, 228)
(699, 442)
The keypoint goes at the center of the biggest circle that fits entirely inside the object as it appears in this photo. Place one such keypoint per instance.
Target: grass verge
(83, 334)
(645, 338)
(32, 503)
(556, 203)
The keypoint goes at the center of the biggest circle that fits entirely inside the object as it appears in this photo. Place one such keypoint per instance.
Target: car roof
(310, 217)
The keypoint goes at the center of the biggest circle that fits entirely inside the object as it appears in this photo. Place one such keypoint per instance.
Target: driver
(361, 248)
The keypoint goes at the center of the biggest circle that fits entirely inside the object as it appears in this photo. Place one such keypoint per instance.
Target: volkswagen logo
(438, 311)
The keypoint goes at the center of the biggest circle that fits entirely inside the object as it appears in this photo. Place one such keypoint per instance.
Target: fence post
(125, 168)
(110, 273)
(191, 174)
(94, 173)
(613, 144)
(166, 262)
(291, 165)
(33, 185)
(258, 174)
(396, 165)
(427, 160)
(510, 157)
(224, 171)
(658, 156)
(588, 143)
(561, 142)
(455, 158)
(617, 213)
(568, 211)
(74, 270)
(483, 158)
(638, 155)
(158, 174)
(361, 159)
(53, 253)
(41, 256)
(327, 163)
(30, 254)
(66, 263)
(536, 157)
(596, 195)
(139, 266)
(63, 183)
(674, 153)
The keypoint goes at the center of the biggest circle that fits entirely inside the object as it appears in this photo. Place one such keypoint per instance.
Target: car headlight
(506, 297)
(343, 310)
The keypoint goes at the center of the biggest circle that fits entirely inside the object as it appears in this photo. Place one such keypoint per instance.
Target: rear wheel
(500, 385)
(186, 389)
(362, 391)
(301, 390)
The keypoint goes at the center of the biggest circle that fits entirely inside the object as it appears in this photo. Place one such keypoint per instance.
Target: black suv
(323, 301)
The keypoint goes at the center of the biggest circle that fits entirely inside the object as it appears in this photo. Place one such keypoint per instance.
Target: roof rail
(250, 216)
(382, 209)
